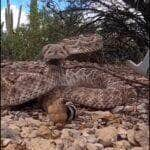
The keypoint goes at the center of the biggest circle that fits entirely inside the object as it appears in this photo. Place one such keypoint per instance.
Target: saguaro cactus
(34, 15)
(9, 18)
(19, 16)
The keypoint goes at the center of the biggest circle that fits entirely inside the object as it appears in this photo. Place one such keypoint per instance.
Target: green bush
(26, 44)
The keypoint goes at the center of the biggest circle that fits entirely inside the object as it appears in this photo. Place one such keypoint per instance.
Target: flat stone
(137, 148)
(14, 127)
(28, 132)
(96, 146)
(109, 148)
(32, 121)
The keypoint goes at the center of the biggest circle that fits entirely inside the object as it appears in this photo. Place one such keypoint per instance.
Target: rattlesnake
(87, 86)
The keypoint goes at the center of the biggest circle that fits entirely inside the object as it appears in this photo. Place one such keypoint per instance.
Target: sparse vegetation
(50, 24)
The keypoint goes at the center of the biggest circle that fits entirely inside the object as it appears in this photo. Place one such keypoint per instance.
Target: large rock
(107, 135)
(139, 136)
(122, 145)
(90, 137)
(70, 134)
(9, 133)
(130, 137)
(142, 137)
(59, 144)
(41, 144)
(80, 143)
(44, 132)
(15, 146)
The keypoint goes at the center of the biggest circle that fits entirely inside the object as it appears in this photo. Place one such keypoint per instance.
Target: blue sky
(17, 3)
(25, 4)
(25, 10)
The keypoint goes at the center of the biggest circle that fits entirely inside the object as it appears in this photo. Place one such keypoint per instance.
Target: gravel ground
(122, 128)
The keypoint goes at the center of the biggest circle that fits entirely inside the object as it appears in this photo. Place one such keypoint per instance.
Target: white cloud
(23, 19)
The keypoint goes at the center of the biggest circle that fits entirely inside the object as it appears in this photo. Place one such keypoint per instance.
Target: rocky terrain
(123, 128)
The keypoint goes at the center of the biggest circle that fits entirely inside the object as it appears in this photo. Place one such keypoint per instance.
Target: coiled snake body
(87, 86)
